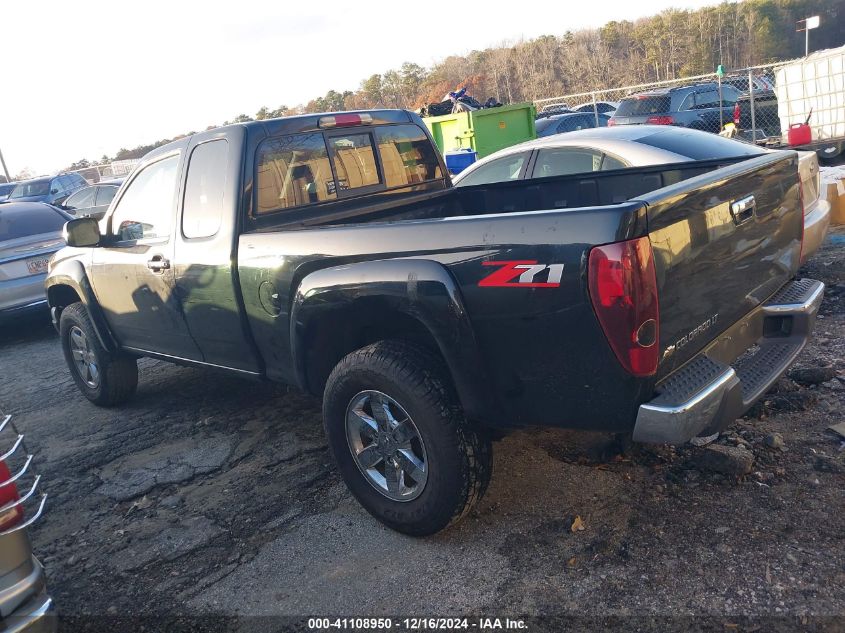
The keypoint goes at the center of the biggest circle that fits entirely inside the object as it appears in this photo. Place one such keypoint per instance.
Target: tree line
(669, 45)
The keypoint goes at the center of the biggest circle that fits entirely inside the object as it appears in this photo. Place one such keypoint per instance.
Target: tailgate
(723, 243)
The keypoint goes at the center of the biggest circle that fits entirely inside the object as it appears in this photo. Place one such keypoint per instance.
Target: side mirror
(54, 191)
(82, 232)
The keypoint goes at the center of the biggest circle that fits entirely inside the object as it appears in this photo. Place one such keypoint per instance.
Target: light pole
(809, 23)
(5, 171)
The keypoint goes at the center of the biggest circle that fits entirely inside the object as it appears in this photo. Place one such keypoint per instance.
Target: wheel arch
(338, 310)
(68, 283)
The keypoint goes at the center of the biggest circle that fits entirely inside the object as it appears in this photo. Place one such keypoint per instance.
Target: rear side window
(698, 145)
(293, 171)
(644, 105)
(81, 199)
(407, 155)
(564, 161)
(15, 223)
(354, 161)
(202, 211)
(105, 195)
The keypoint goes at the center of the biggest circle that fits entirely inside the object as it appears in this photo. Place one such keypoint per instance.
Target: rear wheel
(400, 439)
(105, 379)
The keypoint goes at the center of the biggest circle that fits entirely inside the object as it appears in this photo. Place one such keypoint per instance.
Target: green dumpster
(486, 131)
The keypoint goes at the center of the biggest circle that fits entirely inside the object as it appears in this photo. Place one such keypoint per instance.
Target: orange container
(799, 134)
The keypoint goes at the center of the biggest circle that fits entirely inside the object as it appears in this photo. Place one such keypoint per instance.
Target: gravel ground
(211, 496)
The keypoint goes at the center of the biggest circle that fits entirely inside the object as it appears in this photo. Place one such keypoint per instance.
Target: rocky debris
(728, 460)
(137, 474)
(153, 542)
(774, 440)
(812, 375)
(825, 464)
(788, 402)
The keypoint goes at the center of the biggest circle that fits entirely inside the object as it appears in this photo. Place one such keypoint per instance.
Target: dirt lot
(210, 495)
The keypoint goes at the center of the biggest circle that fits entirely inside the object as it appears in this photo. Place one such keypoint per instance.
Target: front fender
(70, 273)
(422, 289)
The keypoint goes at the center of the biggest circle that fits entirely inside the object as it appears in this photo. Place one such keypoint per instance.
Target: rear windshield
(698, 145)
(644, 105)
(35, 188)
(543, 124)
(15, 223)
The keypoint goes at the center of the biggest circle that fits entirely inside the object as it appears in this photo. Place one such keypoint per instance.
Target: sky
(87, 77)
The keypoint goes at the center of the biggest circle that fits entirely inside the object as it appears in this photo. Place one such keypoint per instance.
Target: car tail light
(344, 120)
(611, 123)
(623, 290)
(660, 120)
(736, 114)
(11, 513)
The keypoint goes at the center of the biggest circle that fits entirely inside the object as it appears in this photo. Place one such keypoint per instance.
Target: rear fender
(421, 289)
(71, 274)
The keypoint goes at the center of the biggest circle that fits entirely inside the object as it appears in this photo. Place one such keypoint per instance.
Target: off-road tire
(459, 456)
(118, 372)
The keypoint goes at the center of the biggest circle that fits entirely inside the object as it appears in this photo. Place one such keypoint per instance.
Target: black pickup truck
(331, 252)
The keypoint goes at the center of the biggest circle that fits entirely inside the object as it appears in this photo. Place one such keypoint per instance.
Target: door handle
(158, 264)
(743, 210)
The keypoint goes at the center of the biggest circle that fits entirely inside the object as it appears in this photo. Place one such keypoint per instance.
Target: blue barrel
(459, 159)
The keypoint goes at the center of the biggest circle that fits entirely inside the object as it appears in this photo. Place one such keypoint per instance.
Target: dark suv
(50, 189)
(695, 107)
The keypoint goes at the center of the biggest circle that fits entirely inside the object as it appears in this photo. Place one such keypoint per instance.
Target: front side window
(145, 211)
(407, 155)
(354, 161)
(32, 188)
(293, 171)
(565, 161)
(202, 210)
(499, 170)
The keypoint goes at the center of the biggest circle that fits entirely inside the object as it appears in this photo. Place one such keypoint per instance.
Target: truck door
(132, 273)
(205, 268)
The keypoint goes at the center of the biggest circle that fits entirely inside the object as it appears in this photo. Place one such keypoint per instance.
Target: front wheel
(105, 379)
(400, 439)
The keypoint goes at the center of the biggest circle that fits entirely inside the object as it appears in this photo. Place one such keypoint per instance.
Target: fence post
(721, 104)
(595, 108)
(751, 102)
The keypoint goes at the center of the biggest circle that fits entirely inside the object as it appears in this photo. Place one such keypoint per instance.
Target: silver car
(24, 603)
(30, 232)
(608, 148)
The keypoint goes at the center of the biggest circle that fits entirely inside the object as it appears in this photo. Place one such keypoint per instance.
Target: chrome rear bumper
(706, 395)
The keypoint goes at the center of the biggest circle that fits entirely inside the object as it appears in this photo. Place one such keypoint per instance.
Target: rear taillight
(611, 123)
(736, 114)
(623, 290)
(10, 515)
(660, 120)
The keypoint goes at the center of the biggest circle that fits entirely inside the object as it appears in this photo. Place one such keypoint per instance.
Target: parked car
(30, 232)
(331, 252)
(6, 189)
(570, 122)
(92, 201)
(602, 107)
(52, 189)
(637, 146)
(741, 83)
(551, 110)
(696, 107)
(766, 125)
(24, 602)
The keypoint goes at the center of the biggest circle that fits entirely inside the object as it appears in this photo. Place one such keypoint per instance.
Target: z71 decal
(522, 273)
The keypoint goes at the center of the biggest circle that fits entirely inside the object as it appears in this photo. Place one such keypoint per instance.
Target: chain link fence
(799, 102)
